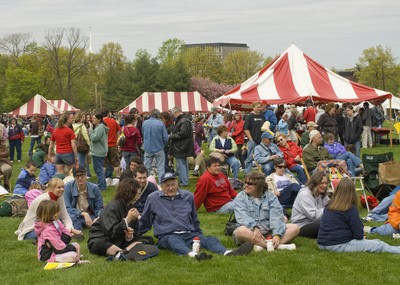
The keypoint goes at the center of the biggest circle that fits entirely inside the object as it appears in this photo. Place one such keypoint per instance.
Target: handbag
(142, 251)
(231, 225)
(371, 200)
(81, 144)
(389, 172)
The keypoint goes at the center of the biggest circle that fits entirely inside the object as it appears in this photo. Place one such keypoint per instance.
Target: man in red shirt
(309, 114)
(112, 158)
(214, 190)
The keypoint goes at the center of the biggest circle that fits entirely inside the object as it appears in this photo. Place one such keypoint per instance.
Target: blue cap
(167, 175)
(267, 135)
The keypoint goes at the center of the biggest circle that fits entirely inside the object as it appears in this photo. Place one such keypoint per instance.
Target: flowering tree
(208, 88)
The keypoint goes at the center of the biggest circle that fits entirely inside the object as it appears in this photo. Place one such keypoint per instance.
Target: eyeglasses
(249, 183)
(280, 166)
(281, 140)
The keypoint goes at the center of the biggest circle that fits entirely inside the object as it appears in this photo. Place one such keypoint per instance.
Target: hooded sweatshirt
(99, 141)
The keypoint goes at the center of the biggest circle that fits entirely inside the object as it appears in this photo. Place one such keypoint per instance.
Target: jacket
(353, 129)
(99, 141)
(228, 145)
(47, 172)
(267, 215)
(133, 139)
(335, 149)
(261, 154)
(327, 124)
(182, 145)
(237, 131)
(290, 153)
(394, 212)
(24, 180)
(71, 196)
(308, 209)
(312, 155)
(80, 127)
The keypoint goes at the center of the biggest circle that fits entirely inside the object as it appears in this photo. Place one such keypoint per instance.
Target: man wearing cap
(305, 137)
(214, 121)
(82, 199)
(266, 152)
(172, 213)
(314, 152)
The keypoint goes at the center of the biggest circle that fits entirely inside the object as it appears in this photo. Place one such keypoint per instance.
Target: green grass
(306, 265)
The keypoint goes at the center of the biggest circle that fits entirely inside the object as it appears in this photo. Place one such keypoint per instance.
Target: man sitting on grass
(172, 212)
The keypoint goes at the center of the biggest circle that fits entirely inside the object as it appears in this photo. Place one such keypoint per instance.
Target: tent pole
(390, 125)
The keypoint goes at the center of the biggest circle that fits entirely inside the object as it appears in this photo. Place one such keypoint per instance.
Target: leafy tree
(377, 68)
(203, 62)
(170, 51)
(173, 77)
(240, 65)
(145, 70)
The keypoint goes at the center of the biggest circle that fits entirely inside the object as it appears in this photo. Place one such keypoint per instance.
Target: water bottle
(196, 245)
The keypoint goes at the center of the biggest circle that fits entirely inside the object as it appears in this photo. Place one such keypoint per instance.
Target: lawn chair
(371, 177)
(397, 128)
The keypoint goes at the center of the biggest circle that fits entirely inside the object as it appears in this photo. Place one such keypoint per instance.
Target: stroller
(371, 177)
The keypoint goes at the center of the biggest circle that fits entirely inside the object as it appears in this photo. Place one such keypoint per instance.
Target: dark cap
(78, 170)
(167, 175)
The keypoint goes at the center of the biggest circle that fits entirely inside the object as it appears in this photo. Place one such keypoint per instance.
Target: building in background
(221, 49)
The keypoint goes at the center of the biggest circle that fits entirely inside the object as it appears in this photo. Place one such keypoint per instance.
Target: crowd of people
(131, 153)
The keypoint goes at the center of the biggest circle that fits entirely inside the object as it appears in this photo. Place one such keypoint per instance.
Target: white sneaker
(367, 230)
(108, 182)
(290, 246)
(257, 248)
(115, 182)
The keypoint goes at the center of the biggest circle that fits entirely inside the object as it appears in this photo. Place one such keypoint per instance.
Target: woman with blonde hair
(310, 203)
(341, 227)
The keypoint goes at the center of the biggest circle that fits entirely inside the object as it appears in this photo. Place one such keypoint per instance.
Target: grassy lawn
(306, 265)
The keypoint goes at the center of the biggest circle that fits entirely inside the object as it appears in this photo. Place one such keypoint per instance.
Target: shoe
(257, 248)
(367, 230)
(290, 246)
(367, 219)
(12, 161)
(108, 182)
(203, 256)
(19, 160)
(245, 248)
(195, 172)
(78, 237)
(83, 261)
(114, 182)
(118, 256)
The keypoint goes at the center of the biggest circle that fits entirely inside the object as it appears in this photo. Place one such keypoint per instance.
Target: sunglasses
(280, 166)
(249, 183)
(281, 140)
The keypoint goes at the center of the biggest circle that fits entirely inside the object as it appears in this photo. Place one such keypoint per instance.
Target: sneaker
(118, 256)
(290, 246)
(114, 182)
(19, 160)
(257, 248)
(108, 182)
(195, 172)
(83, 261)
(367, 219)
(245, 248)
(203, 256)
(367, 230)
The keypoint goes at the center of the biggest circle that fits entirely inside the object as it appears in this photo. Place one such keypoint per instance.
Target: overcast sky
(334, 33)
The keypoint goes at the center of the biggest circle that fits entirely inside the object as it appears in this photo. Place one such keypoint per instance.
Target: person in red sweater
(236, 131)
(310, 113)
(214, 190)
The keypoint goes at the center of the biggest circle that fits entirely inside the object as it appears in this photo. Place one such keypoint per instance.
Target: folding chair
(371, 177)
(397, 128)
(259, 168)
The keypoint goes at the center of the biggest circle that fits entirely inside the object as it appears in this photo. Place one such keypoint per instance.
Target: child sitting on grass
(341, 228)
(25, 178)
(53, 238)
(48, 170)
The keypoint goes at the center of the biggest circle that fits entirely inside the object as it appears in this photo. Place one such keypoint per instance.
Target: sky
(334, 33)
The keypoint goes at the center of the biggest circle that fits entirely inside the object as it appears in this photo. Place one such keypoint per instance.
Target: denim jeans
(380, 213)
(182, 243)
(352, 161)
(32, 144)
(98, 163)
(183, 171)
(357, 146)
(248, 163)
(30, 235)
(15, 144)
(288, 195)
(128, 156)
(234, 164)
(82, 159)
(226, 209)
(268, 167)
(159, 156)
(79, 222)
(384, 230)
(301, 175)
(362, 245)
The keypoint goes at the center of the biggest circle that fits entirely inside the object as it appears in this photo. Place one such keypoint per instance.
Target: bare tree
(16, 44)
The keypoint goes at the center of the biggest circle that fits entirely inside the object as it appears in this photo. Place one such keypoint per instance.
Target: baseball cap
(311, 124)
(78, 170)
(167, 175)
(267, 135)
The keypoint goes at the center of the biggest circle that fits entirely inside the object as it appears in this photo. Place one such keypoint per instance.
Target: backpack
(81, 144)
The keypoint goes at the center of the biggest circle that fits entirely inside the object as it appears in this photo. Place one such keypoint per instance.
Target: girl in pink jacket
(53, 237)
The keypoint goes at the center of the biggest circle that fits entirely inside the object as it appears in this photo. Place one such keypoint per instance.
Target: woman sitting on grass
(116, 230)
(310, 203)
(341, 227)
(53, 238)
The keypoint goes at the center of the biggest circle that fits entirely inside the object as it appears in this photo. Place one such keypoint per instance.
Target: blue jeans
(15, 144)
(380, 213)
(30, 235)
(268, 167)
(234, 164)
(32, 145)
(226, 209)
(385, 230)
(301, 175)
(98, 163)
(352, 161)
(183, 171)
(79, 222)
(288, 195)
(248, 163)
(362, 245)
(128, 156)
(182, 243)
(159, 156)
(357, 146)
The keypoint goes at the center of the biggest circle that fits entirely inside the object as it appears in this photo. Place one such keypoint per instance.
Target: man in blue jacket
(173, 214)
(82, 199)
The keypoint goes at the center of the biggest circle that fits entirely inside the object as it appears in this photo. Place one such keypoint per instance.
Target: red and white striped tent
(294, 77)
(164, 101)
(38, 105)
(63, 105)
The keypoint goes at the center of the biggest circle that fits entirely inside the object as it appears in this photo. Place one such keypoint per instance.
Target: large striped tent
(164, 101)
(294, 77)
(38, 105)
(63, 105)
